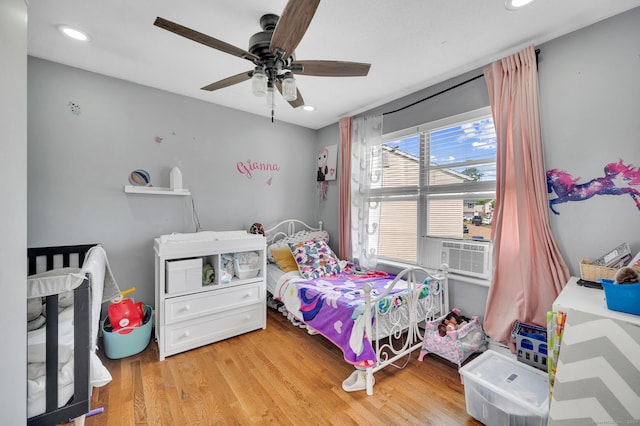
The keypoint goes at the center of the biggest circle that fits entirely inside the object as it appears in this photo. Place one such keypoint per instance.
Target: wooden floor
(280, 375)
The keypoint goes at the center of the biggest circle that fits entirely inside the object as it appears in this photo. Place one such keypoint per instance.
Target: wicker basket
(591, 272)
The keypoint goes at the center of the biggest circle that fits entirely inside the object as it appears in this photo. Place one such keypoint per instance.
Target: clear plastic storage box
(246, 264)
(499, 390)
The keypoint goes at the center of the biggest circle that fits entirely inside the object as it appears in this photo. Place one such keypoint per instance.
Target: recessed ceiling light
(73, 33)
(309, 108)
(517, 4)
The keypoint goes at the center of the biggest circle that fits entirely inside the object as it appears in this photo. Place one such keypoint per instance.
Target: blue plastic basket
(622, 297)
(118, 345)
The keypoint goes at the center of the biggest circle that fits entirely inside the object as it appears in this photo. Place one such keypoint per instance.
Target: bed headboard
(287, 228)
(47, 258)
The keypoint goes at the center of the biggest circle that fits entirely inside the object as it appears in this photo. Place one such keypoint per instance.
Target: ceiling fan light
(289, 90)
(270, 97)
(259, 82)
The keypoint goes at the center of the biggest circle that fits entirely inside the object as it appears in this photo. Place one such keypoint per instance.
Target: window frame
(481, 190)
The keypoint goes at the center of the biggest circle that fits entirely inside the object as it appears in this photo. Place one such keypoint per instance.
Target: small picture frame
(326, 165)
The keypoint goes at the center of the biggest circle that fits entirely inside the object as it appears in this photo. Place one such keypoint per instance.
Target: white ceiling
(410, 44)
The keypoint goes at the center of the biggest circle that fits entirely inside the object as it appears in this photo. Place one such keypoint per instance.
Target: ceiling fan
(272, 53)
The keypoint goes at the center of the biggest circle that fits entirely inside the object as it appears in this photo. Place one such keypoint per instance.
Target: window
(435, 182)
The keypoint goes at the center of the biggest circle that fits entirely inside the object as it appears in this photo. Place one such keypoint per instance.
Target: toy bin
(499, 390)
(622, 297)
(128, 340)
(531, 344)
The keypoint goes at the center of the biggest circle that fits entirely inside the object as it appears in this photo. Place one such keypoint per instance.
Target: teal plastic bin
(127, 341)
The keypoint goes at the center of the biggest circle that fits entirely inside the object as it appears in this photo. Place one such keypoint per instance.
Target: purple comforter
(334, 307)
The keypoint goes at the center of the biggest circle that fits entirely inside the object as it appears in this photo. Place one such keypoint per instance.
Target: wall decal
(158, 139)
(249, 167)
(616, 180)
(75, 108)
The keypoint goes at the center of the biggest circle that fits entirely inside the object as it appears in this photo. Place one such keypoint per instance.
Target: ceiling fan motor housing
(259, 45)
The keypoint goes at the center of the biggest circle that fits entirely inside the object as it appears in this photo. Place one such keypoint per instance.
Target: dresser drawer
(212, 328)
(195, 305)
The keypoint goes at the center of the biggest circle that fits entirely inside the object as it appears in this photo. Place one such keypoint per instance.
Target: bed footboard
(60, 257)
(426, 298)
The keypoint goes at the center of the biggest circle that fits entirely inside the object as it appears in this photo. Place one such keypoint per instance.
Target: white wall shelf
(154, 190)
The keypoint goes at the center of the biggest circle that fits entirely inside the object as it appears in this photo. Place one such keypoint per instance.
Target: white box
(502, 391)
(183, 275)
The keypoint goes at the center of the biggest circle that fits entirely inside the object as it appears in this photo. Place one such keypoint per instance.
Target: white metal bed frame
(390, 345)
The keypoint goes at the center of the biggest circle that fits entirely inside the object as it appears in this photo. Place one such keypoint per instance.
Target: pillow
(284, 259)
(298, 237)
(315, 259)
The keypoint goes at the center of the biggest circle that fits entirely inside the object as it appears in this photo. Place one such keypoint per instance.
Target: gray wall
(13, 223)
(79, 163)
(590, 104)
(590, 99)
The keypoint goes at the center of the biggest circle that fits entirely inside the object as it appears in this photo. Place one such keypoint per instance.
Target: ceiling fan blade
(229, 81)
(292, 25)
(204, 39)
(298, 102)
(332, 68)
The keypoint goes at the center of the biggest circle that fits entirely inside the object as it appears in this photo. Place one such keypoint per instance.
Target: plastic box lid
(518, 382)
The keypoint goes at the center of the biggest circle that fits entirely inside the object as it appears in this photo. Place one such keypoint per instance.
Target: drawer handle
(186, 334)
(247, 294)
(186, 308)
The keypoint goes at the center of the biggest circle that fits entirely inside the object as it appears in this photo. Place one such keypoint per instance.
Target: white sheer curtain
(366, 174)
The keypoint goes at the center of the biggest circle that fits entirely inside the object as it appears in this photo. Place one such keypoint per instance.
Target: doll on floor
(452, 322)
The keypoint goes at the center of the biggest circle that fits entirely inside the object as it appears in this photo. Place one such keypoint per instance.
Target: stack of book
(619, 257)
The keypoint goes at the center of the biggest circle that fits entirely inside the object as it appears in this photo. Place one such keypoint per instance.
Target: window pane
(479, 219)
(401, 162)
(459, 218)
(397, 238)
(462, 154)
(471, 141)
(445, 218)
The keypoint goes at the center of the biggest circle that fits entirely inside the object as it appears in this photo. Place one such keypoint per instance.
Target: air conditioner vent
(467, 258)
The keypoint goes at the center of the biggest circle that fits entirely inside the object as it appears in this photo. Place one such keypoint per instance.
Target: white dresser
(598, 373)
(190, 314)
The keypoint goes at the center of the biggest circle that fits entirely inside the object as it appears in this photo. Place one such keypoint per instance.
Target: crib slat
(52, 352)
(82, 345)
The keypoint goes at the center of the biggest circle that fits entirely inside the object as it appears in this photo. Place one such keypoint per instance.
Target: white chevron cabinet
(598, 373)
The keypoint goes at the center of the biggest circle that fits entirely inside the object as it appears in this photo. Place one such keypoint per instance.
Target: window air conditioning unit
(465, 258)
